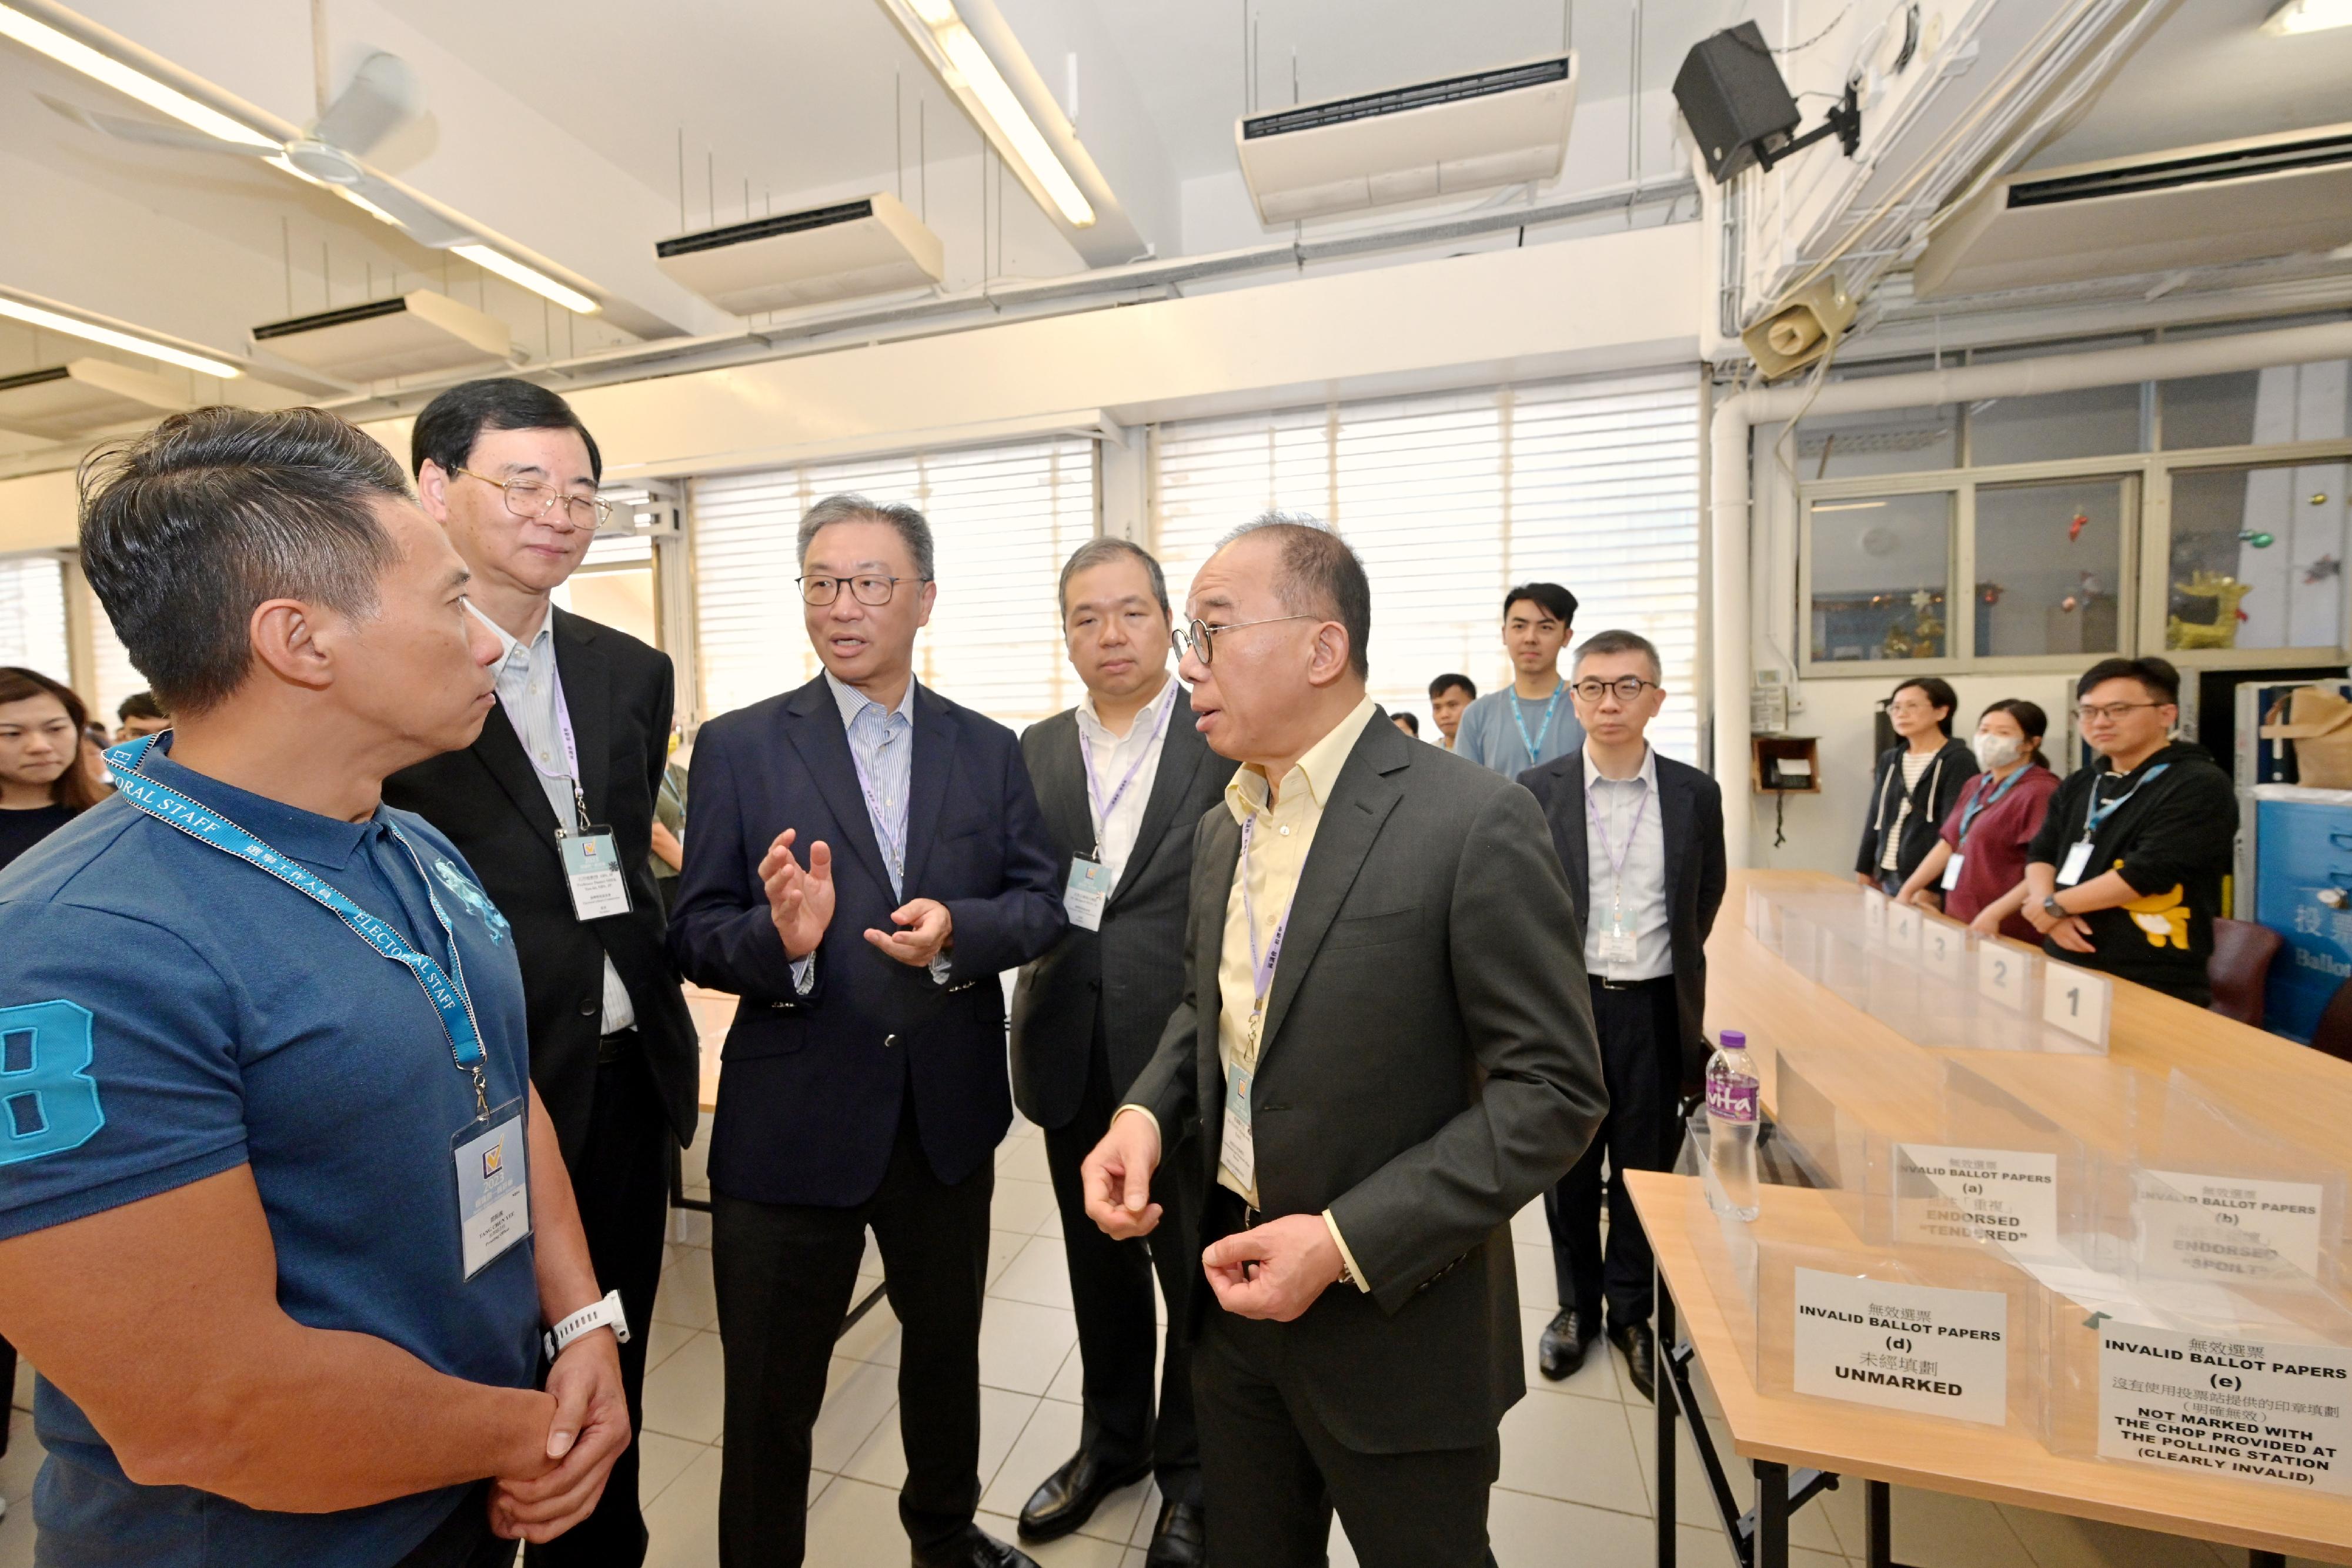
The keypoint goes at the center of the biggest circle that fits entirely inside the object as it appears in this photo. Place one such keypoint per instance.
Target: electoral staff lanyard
(1617, 857)
(1551, 708)
(1261, 965)
(2097, 813)
(1103, 809)
(446, 991)
(1984, 798)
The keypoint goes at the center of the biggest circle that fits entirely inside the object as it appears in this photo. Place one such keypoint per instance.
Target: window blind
(1003, 518)
(33, 615)
(1452, 498)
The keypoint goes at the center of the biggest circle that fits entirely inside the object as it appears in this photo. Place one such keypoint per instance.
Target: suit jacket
(1131, 974)
(488, 801)
(1428, 1067)
(813, 1087)
(1690, 813)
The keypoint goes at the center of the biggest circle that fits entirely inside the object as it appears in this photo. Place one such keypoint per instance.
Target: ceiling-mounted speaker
(63, 401)
(1732, 94)
(1805, 329)
(870, 246)
(413, 334)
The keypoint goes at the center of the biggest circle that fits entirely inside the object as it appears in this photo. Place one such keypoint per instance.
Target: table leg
(1662, 1382)
(1772, 1515)
(2259, 1558)
(1880, 1498)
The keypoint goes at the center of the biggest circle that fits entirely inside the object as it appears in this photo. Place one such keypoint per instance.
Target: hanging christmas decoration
(2260, 541)
(1990, 593)
(2323, 568)
(2074, 530)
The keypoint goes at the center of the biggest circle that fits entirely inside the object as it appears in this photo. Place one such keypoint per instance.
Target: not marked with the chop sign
(2227, 1407)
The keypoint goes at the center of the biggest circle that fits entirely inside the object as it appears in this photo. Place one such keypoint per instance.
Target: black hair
(2157, 677)
(1102, 552)
(1446, 683)
(1410, 723)
(139, 705)
(1939, 693)
(1557, 602)
(913, 528)
(445, 431)
(2029, 719)
(185, 531)
(1621, 642)
(1319, 576)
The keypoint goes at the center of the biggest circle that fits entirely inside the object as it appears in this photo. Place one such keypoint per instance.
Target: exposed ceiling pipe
(1729, 521)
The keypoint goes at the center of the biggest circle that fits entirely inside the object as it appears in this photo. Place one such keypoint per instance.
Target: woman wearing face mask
(1977, 869)
(1914, 786)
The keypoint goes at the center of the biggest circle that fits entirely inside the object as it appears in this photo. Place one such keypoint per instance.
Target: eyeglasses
(532, 501)
(871, 591)
(1627, 687)
(2109, 711)
(1194, 639)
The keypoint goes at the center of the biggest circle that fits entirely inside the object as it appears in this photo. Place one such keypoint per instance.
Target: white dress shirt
(1113, 755)
(528, 689)
(1618, 811)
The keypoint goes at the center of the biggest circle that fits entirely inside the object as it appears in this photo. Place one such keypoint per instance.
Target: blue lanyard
(2097, 813)
(448, 996)
(1980, 800)
(1550, 708)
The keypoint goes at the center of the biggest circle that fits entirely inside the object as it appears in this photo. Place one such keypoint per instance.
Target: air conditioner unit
(1449, 138)
(870, 246)
(2192, 206)
(414, 334)
(63, 401)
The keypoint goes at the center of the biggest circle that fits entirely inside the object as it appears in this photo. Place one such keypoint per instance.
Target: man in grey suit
(1387, 1042)
(1123, 778)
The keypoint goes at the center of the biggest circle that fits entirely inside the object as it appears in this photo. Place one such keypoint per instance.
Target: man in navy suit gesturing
(865, 1081)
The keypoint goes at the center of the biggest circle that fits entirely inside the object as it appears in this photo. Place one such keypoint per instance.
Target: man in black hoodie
(2126, 874)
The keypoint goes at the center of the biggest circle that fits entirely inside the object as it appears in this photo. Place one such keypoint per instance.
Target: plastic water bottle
(1731, 1116)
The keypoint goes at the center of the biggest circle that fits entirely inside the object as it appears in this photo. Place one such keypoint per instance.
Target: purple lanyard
(1617, 858)
(1103, 810)
(1261, 965)
(563, 729)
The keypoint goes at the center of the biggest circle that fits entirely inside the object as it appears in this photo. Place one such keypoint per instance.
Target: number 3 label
(48, 1102)
(2076, 1001)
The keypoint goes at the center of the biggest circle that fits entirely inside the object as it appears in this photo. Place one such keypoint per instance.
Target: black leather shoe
(1181, 1539)
(977, 1548)
(1562, 1350)
(1640, 1346)
(1068, 1498)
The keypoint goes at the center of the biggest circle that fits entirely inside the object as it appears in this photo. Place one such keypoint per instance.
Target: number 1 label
(2076, 1001)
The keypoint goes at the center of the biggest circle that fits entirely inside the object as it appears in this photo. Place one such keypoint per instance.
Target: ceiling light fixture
(2308, 16)
(42, 38)
(529, 277)
(1847, 505)
(974, 78)
(57, 321)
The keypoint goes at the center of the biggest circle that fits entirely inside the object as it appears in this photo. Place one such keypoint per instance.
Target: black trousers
(1273, 1472)
(1110, 1288)
(784, 1275)
(7, 1389)
(622, 1183)
(464, 1538)
(1640, 1062)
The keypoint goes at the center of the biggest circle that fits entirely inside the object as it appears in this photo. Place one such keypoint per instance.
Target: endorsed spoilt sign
(1921, 1348)
(2227, 1406)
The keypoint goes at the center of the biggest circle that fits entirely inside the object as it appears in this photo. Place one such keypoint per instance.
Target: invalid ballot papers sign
(2227, 1407)
(1921, 1348)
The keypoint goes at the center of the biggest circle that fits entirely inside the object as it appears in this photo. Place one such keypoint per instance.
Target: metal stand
(678, 1199)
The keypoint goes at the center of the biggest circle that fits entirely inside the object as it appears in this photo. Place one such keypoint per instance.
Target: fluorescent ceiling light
(530, 277)
(52, 321)
(2309, 16)
(1015, 134)
(42, 38)
(287, 165)
(1847, 505)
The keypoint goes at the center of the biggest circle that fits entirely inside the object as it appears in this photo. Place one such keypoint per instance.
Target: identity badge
(493, 1185)
(592, 864)
(1237, 1152)
(1617, 947)
(1089, 889)
(2078, 860)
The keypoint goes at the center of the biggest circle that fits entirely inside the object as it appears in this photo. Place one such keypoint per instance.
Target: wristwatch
(2053, 908)
(603, 1314)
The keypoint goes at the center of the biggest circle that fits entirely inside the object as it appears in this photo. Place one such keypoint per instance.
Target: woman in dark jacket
(1914, 784)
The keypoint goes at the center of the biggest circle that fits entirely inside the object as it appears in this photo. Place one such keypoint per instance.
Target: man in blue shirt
(280, 1217)
(1531, 721)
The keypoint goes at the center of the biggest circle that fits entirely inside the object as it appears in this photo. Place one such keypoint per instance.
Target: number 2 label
(2076, 1001)
(2002, 974)
(48, 1102)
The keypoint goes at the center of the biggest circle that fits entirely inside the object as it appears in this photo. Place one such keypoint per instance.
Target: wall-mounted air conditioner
(2191, 206)
(414, 334)
(870, 246)
(63, 401)
(1449, 138)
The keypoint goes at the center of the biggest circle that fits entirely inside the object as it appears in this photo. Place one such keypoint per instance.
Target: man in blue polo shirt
(280, 1218)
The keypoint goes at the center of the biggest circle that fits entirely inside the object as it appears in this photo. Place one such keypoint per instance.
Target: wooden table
(1795, 1444)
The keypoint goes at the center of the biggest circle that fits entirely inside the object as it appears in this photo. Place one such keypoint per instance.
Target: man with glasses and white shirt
(1641, 837)
(2126, 874)
(552, 806)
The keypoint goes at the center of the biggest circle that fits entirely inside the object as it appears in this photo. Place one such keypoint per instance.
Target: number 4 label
(2076, 1001)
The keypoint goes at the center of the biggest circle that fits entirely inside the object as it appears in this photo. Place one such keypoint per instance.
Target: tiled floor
(1575, 1487)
